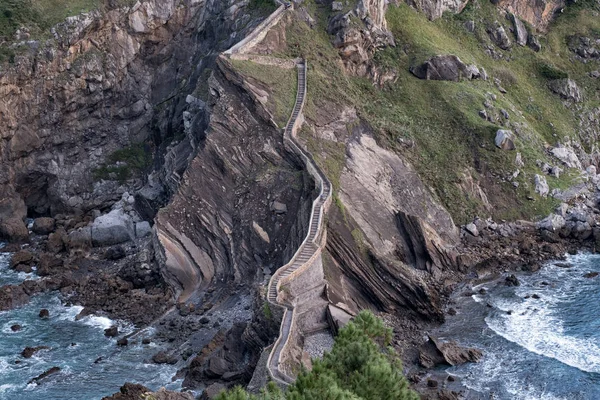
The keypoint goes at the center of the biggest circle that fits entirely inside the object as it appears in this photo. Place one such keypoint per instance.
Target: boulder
(434, 353)
(512, 280)
(143, 229)
(534, 43)
(21, 257)
(552, 223)
(24, 268)
(337, 6)
(12, 213)
(113, 228)
(567, 156)
(15, 328)
(113, 331)
(217, 366)
(278, 208)
(520, 30)
(443, 68)
(28, 352)
(541, 186)
(499, 37)
(56, 241)
(504, 140)
(12, 296)
(114, 253)
(43, 226)
(44, 313)
(472, 229)
(122, 342)
(48, 264)
(42, 376)
(212, 391)
(163, 357)
(80, 238)
(567, 89)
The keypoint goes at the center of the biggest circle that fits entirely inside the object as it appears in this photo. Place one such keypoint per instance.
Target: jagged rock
(434, 9)
(28, 352)
(434, 353)
(443, 68)
(537, 13)
(520, 30)
(115, 253)
(278, 208)
(43, 226)
(56, 241)
(12, 297)
(213, 391)
(534, 43)
(567, 89)
(541, 186)
(552, 223)
(38, 379)
(216, 367)
(499, 37)
(80, 238)
(12, 213)
(113, 331)
(112, 228)
(143, 229)
(164, 358)
(504, 140)
(472, 229)
(512, 280)
(567, 156)
(21, 257)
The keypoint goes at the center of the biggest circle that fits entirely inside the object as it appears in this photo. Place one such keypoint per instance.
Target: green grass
(453, 145)
(280, 83)
(125, 163)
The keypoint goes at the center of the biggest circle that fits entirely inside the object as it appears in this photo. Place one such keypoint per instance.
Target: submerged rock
(28, 352)
(42, 376)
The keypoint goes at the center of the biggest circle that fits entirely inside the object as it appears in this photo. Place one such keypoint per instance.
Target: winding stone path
(310, 246)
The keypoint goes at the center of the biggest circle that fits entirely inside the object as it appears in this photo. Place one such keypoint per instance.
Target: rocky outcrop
(538, 13)
(567, 89)
(445, 68)
(357, 43)
(435, 8)
(71, 102)
(435, 352)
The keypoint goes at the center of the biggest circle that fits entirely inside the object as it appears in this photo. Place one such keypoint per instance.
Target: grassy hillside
(453, 145)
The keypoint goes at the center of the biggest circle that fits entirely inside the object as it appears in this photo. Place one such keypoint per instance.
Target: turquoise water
(535, 348)
(75, 347)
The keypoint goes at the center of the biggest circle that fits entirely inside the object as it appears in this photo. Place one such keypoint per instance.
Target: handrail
(319, 206)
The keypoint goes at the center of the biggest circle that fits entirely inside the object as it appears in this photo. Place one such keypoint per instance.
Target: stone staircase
(310, 248)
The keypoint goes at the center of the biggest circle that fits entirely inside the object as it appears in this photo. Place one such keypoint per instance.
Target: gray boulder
(43, 226)
(499, 37)
(443, 68)
(552, 223)
(567, 89)
(541, 186)
(504, 140)
(112, 228)
(278, 208)
(142, 229)
(520, 30)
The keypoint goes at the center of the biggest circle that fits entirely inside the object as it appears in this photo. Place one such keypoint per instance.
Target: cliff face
(539, 13)
(435, 8)
(106, 80)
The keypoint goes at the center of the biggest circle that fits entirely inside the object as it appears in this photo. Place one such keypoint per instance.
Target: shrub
(550, 72)
(359, 367)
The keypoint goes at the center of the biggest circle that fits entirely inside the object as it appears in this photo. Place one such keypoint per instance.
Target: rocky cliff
(105, 81)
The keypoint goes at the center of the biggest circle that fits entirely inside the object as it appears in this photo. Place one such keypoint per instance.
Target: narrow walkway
(311, 244)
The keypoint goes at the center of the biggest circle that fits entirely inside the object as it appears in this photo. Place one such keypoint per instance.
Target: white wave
(7, 387)
(533, 325)
(66, 313)
(99, 322)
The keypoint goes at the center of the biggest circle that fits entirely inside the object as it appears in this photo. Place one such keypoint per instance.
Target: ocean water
(544, 348)
(92, 366)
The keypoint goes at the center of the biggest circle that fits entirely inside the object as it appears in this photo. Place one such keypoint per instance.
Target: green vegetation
(454, 150)
(280, 83)
(267, 311)
(266, 6)
(125, 163)
(360, 366)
